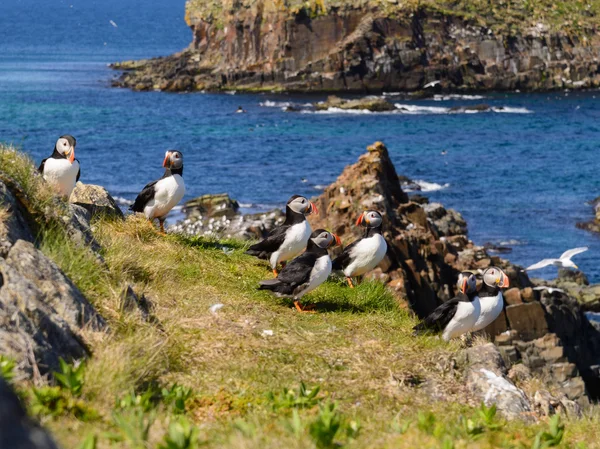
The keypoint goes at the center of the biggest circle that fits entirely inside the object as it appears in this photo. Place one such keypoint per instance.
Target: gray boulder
(96, 200)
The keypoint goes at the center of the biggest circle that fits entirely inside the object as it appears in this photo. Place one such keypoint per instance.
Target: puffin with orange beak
(490, 296)
(306, 272)
(290, 239)
(364, 254)
(456, 316)
(61, 168)
(158, 197)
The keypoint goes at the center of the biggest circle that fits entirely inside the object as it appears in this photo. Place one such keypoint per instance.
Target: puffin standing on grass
(490, 297)
(61, 168)
(364, 254)
(158, 198)
(456, 316)
(306, 272)
(290, 239)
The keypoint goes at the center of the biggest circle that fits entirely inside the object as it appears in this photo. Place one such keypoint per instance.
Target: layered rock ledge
(371, 45)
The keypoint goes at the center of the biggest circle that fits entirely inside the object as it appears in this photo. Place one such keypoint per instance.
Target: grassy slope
(502, 16)
(358, 349)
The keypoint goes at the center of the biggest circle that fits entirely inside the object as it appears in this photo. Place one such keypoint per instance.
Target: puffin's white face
(324, 239)
(495, 277)
(467, 282)
(370, 219)
(301, 205)
(65, 145)
(173, 159)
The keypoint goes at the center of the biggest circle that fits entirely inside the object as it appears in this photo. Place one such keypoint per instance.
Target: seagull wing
(572, 252)
(540, 264)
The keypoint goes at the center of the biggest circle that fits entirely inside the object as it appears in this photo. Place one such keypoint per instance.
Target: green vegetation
(502, 16)
(343, 377)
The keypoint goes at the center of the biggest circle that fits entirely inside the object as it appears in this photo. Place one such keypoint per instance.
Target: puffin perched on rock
(290, 239)
(456, 316)
(158, 197)
(365, 253)
(307, 271)
(490, 296)
(61, 168)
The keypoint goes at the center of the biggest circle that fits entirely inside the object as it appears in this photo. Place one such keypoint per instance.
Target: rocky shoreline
(368, 46)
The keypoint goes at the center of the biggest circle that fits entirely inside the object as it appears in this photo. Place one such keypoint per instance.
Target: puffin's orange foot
(304, 309)
(275, 273)
(350, 282)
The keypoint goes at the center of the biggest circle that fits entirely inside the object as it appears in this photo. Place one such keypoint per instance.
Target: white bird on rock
(563, 261)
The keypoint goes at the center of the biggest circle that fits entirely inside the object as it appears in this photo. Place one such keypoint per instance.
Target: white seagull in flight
(563, 261)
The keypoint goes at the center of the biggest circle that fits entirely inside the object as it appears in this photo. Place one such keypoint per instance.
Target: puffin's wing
(144, 197)
(440, 317)
(572, 252)
(540, 264)
(78, 170)
(297, 272)
(42, 165)
(344, 259)
(270, 244)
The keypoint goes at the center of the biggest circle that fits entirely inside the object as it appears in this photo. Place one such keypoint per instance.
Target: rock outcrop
(373, 46)
(373, 104)
(96, 200)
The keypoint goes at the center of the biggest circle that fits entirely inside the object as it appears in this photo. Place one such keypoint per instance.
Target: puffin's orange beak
(71, 156)
(167, 161)
(337, 240)
(505, 282)
(313, 209)
(464, 286)
(360, 219)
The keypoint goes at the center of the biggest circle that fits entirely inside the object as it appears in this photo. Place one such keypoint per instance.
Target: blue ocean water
(520, 176)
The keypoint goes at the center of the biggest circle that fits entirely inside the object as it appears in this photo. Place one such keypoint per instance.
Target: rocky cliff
(343, 45)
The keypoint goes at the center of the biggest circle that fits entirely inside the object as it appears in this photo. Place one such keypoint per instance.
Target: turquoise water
(520, 175)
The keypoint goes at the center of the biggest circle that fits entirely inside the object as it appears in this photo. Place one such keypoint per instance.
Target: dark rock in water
(211, 206)
(17, 431)
(96, 200)
(592, 225)
(292, 109)
(419, 199)
(446, 222)
(493, 248)
(474, 108)
(576, 276)
(373, 104)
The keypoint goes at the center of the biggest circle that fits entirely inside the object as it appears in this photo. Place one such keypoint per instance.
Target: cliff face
(364, 47)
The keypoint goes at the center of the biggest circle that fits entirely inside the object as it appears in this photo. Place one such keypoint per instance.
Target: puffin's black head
(370, 219)
(173, 160)
(324, 239)
(467, 282)
(301, 205)
(495, 277)
(65, 146)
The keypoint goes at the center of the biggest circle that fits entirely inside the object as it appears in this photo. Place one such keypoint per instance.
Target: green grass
(507, 17)
(190, 378)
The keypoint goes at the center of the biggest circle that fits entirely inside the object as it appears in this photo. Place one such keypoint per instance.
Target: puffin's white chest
(464, 319)
(296, 239)
(168, 192)
(61, 173)
(491, 308)
(366, 255)
(319, 274)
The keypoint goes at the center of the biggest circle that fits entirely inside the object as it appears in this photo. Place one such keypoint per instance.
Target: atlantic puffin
(307, 271)
(61, 168)
(288, 240)
(456, 316)
(365, 253)
(490, 296)
(158, 197)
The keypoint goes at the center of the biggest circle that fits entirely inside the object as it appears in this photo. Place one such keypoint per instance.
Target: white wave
(457, 97)
(275, 104)
(245, 205)
(430, 186)
(391, 94)
(415, 109)
(511, 110)
(512, 242)
(319, 187)
(123, 201)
